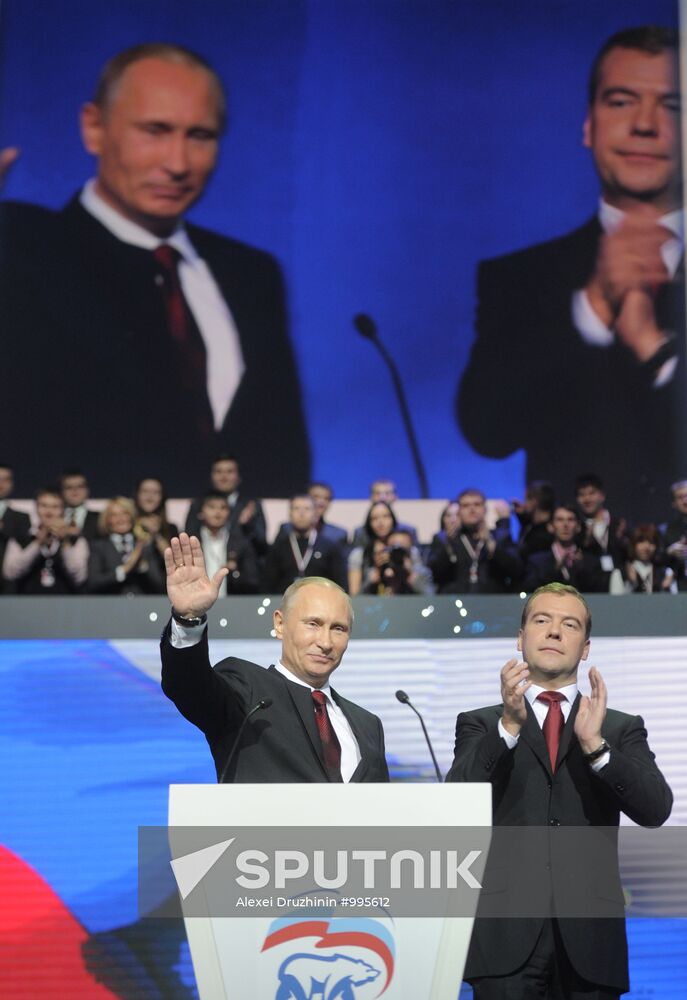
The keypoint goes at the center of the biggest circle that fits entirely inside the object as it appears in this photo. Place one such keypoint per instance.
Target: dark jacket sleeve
(632, 775)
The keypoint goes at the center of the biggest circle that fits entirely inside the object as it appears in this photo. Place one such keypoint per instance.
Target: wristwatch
(599, 752)
(188, 622)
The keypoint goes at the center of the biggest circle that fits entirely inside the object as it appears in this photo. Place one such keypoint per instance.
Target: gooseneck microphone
(263, 703)
(405, 700)
(367, 328)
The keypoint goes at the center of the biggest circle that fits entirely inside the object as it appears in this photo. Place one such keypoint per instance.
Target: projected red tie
(330, 743)
(182, 328)
(553, 723)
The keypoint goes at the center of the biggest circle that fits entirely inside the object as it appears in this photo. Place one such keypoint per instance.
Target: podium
(328, 953)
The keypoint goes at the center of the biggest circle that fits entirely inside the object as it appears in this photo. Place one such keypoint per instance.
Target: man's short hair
(114, 69)
(319, 581)
(223, 458)
(214, 495)
(570, 508)
(543, 493)
(403, 531)
(589, 479)
(301, 496)
(319, 485)
(471, 492)
(48, 491)
(71, 474)
(650, 38)
(681, 484)
(560, 589)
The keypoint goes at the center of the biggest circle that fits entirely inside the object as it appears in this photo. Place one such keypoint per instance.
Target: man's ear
(549, 527)
(587, 133)
(278, 622)
(91, 121)
(519, 642)
(585, 651)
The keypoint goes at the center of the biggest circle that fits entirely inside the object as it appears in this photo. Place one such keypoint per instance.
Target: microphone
(367, 328)
(405, 700)
(263, 703)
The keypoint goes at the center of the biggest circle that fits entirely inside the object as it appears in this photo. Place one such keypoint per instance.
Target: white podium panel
(342, 955)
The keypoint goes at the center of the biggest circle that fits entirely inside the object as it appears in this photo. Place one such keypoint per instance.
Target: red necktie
(182, 328)
(330, 743)
(553, 723)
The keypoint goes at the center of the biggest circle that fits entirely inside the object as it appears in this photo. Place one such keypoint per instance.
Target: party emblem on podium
(332, 958)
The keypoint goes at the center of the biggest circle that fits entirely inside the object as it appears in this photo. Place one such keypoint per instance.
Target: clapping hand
(189, 588)
(591, 713)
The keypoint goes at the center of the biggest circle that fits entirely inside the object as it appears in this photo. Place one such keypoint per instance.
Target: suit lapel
(534, 737)
(363, 744)
(301, 700)
(568, 733)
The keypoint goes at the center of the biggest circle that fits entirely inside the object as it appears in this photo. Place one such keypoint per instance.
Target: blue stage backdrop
(380, 149)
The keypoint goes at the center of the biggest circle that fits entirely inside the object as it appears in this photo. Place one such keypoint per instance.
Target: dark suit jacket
(14, 524)
(281, 570)
(526, 793)
(450, 564)
(88, 354)
(586, 574)
(148, 577)
(279, 744)
(531, 382)
(254, 531)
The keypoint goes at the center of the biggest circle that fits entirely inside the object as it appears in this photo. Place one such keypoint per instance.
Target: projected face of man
(156, 141)
(633, 129)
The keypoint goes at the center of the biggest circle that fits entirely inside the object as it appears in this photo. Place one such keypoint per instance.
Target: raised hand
(189, 589)
(514, 682)
(591, 713)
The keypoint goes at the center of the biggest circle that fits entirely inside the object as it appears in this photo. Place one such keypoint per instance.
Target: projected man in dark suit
(580, 350)
(132, 335)
(555, 759)
(308, 732)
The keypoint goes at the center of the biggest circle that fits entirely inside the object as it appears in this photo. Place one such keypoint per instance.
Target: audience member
(119, 562)
(300, 551)
(322, 495)
(466, 557)
(80, 520)
(675, 534)
(647, 570)
(397, 568)
(534, 514)
(381, 491)
(602, 535)
(13, 523)
(47, 560)
(150, 501)
(224, 548)
(565, 562)
(379, 524)
(246, 513)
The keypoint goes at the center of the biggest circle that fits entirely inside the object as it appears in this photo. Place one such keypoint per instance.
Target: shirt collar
(325, 689)
(610, 218)
(130, 232)
(570, 692)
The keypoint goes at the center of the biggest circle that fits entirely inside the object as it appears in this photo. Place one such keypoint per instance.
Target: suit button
(547, 868)
(620, 788)
(487, 766)
(554, 822)
(548, 784)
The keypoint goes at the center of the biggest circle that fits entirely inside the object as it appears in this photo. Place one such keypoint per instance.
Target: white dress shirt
(540, 709)
(225, 365)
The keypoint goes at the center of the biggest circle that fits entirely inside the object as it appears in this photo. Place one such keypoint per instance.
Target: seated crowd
(66, 548)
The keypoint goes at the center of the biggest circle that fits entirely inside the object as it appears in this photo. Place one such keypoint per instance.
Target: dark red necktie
(182, 328)
(553, 723)
(330, 743)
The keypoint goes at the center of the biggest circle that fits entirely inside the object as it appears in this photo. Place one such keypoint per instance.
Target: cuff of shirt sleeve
(601, 762)
(120, 574)
(510, 740)
(181, 636)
